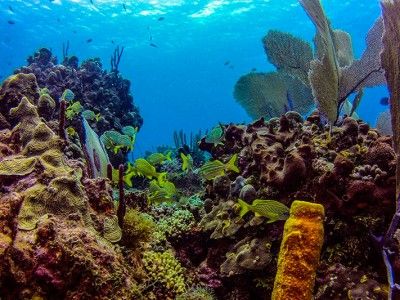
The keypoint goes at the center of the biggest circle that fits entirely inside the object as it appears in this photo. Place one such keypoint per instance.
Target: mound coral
(54, 242)
(97, 90)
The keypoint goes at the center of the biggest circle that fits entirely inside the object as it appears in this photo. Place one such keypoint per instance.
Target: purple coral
(97, 90)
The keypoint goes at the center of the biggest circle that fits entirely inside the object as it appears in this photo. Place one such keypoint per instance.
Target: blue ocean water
(203, 47)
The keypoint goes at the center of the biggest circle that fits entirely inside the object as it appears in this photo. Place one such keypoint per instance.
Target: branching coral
(163, 268)
(179, 222)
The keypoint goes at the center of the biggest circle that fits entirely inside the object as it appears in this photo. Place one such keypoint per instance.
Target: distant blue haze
(184, 83)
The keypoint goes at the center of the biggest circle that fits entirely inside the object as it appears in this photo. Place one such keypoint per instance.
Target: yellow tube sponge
(301, 245)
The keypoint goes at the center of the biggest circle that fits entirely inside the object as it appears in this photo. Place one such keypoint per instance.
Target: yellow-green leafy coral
(46, 106)
(62, 196)
(28, 118)
(163, 268)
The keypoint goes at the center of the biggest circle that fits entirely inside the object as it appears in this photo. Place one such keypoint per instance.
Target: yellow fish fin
(116, 148)
(231, 164)
(128, 179)
(168, 156)
(244, 207)
(161, 177)
(185, 162)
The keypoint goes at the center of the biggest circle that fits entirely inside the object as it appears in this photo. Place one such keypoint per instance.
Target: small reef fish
(161, 192)
(90, 115)
(384, 101)
(187, 162)
(215, 135)
(10, 8)
(153, 45)
(158, 158)
(271, 209)
(143, 168)
(71, 131)
(89, 40)
(68, 95)
(161, 19)
(166, 185)
(124, 6)
(73, 110)
(11, 22)
(215, 168)
(227, 63)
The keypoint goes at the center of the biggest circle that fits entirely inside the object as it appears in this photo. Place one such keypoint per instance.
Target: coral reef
(350, 170)
(55, 235)
(206, 219)
(97, 90)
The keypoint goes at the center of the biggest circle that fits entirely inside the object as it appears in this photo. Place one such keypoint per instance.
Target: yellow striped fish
(161, 192)
(215, 168)
(271, 209)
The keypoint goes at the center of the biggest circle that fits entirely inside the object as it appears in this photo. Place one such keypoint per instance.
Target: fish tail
(161, 177)
(168, 156)
(128, 179)
(231, 164)
(184, 161)
(244, 208)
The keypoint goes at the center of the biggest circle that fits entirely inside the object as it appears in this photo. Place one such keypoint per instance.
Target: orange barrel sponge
(301, 245)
